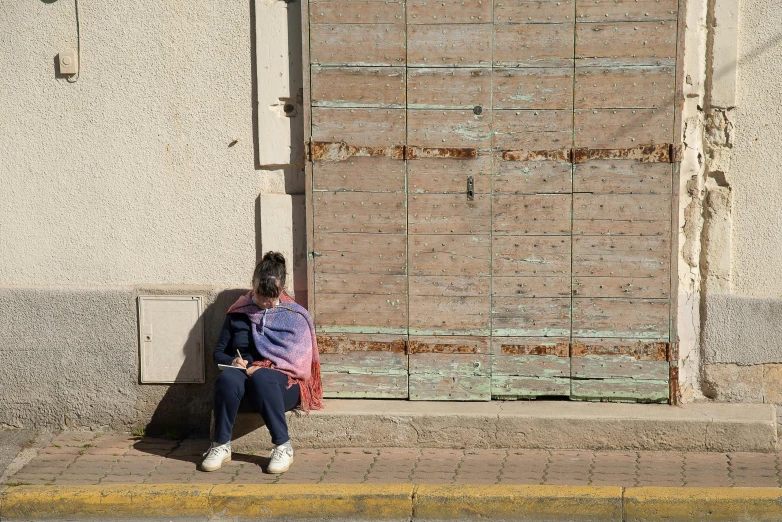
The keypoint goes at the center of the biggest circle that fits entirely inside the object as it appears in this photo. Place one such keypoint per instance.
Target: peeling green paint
(361, 329)
(513, 386)
(340, 104)
(537, 332)
(655, 335)
(633, 390)
(476, 333)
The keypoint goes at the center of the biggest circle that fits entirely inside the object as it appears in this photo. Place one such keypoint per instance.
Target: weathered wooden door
(489, 197)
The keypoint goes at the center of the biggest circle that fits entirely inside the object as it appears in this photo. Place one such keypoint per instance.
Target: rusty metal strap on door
(660, 153)
(341, 151)
(343, 344)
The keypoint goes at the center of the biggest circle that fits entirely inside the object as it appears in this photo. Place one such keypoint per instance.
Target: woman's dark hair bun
(276, 257)
(269, 275)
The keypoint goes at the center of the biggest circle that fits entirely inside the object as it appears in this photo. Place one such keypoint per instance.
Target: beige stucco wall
(127, 176)
(755, 174)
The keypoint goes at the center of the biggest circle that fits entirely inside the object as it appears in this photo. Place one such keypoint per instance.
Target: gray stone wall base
(70, 359)
(544, 425)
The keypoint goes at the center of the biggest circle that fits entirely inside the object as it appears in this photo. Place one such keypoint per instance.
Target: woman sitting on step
(270, 340)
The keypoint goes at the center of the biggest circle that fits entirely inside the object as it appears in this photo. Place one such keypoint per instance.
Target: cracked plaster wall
(731, 260)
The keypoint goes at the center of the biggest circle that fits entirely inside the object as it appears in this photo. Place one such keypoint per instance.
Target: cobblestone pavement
(90, 458)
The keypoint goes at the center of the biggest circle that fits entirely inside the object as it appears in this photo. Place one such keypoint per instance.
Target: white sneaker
(217, 454)
(282, 458)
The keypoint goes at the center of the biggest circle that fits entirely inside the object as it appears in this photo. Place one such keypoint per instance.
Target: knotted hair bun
(269, 275)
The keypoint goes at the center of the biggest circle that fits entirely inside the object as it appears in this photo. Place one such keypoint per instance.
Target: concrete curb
(560, 425)
(392, 502)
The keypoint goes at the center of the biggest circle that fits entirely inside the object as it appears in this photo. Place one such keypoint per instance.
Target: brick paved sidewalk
(90, 458)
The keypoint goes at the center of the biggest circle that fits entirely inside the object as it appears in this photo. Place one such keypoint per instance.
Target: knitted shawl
(285, 338)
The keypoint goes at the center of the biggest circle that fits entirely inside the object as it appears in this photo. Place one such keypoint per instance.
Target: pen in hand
(241, 360)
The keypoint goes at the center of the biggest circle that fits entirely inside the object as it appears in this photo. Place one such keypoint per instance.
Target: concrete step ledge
(390, 502)
(537, 425)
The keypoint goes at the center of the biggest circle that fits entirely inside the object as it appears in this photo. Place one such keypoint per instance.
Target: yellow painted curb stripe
(392, 501)
(519, 502)
(32, 502)
(657, 503)
(364, 501)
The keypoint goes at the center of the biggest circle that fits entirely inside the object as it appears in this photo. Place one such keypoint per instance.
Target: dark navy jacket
(235, 335)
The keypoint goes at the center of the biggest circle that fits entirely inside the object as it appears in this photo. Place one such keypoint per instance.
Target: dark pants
(265, 392)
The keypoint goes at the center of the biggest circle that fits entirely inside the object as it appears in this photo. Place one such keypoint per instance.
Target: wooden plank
(448, 88)
(622, 214)
(510, 387)
(361, 386)
(532, 346)
(531, 256)
(545, 286)
(365, 363)
(639, 350)
(449, 345)
(634, 43)
(357, 11)
(520, 316)
(613, 366)
(380, 254)
(449, 45)
(343, 344)
(625, 87)
(620, 390)
(357, 44)
(361, 313)
(449, 128)
(531, 214)
(449, 214)
(379, 87)
(531, 177)
(532, 129)
(376, 212)
(449, 12)
(449, 255)
(632, 318)
(533, 45)
(622, 177)
(622, 286)
(438, 176)
(360, 175)
(435, 376)
(359, 127)
(429, 387)
(626, 10)
(543, 366)
(622, 128)
(449, 286)
(339, 283)
(617, 227)
(612, 256)
(534, 11)
(533, 88)
(448, 315)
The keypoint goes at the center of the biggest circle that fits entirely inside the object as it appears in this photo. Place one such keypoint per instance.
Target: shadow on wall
(186, 409)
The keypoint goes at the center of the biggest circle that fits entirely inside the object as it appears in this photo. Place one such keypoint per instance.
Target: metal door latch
(470, 188)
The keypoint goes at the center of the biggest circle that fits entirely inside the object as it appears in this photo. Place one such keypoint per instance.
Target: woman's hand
(239, 362)
(251, 370)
